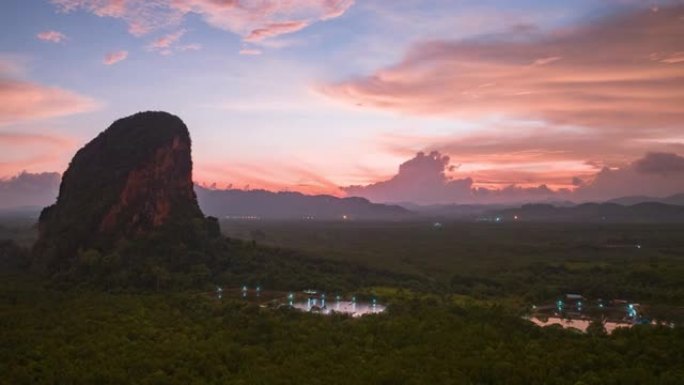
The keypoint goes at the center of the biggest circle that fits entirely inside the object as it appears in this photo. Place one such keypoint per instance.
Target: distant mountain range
(263, 204)
(292, 205)
(646, 212)
(677, 200)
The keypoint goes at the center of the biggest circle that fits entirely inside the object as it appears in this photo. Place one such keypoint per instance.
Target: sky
(427, 101)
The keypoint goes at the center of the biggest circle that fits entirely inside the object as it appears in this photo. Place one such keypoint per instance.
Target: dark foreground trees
(71, 337)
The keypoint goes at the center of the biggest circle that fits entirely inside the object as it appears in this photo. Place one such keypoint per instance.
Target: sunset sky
(479, 101)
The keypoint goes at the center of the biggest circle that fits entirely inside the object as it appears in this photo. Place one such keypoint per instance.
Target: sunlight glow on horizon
(341, 93)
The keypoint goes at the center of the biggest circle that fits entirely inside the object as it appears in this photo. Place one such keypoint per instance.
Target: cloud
(142, 16)
(602, 75)
(115, 57)
(252, 20)
(51, 36)
(497, 154)
(655, 174)
(250, 51)
(257, 176)
(275, 29)
(661, 164)
(33, 152)
(190, 47)
(22, 100)
(424, 180)
(165, 42)
(419, 180)
(18, 139)
(27, 189)
(168, 44)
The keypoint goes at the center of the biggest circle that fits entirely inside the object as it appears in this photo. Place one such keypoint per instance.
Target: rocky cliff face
(132, 180)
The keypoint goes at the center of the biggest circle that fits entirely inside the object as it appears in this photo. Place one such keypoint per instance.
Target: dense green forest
(529, 261)
(455, 294)
(91, 337)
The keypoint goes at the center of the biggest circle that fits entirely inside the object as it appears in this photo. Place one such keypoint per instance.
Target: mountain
(677, 200)
(291, 205)
(130, 182)
(648, 212)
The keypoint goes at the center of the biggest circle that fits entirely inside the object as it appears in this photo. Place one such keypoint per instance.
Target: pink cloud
(422, 179)
(250, 51)
(257, 176)
(433, 179)
(22, 139)
(142, 16)
(275, 29)
(21, 100)
(253, 20)
(660, 163)
(602, 76)
(35, 152)
(52, 36)
(115, 57)
(655, 174)
(529, 154)
(167, 41)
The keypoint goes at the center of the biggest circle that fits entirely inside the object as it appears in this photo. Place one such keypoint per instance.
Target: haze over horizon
(406, 101)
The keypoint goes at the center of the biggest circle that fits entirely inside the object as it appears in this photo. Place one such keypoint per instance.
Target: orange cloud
(254, 176)
(51, 36)
(36, 152)
(21, 100)
(618, 74)
(115, 57)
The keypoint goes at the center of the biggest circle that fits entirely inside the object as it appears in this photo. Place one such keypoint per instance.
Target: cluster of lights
(631, 311)
(559, 305)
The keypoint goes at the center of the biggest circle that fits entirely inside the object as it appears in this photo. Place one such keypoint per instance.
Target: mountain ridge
(293, 205)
